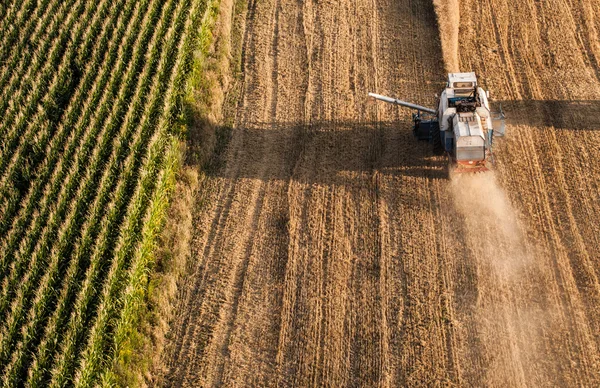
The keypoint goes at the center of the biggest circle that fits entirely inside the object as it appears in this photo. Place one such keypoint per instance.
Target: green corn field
(90, 104)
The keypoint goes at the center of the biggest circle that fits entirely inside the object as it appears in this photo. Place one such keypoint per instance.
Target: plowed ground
(334, 249)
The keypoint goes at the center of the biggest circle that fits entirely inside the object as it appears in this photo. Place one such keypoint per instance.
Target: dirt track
(335, 250)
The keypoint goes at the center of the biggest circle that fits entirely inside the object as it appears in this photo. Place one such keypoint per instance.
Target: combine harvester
(463, 125)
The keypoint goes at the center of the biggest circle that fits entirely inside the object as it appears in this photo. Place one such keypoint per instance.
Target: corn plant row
(42, 111)
(88, 77)
(47, 102)
(75, 213)
(13, 21)
(72, 181)
(32, 134)
(12, 79)
(9, 10)
(77, 154)
(97, 355)
(6, 340)
(86, 303)
(34, 73)
(65, 264)
(134, 298)
(143, 262)
(98, 160)
(5, 259)
(135, 293)
(104, 149)
(106, 192)
(31, 34)
(121, 251)
(93, 359)
(66, 231)
(55, 28)
(16, 10)
(76, 116)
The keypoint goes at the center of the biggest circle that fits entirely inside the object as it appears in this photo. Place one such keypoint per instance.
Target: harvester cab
(462, 125)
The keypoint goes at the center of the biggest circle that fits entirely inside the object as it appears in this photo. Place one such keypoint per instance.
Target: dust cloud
(491, 221)
(448, 16)
(507, 314)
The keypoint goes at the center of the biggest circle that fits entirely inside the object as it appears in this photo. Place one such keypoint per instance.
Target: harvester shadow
(323, 152)
(582, 115)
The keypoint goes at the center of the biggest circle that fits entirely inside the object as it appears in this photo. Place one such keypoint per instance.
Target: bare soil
(332, 248)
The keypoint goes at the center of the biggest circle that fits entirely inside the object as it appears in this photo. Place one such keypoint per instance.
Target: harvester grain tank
(462, 125)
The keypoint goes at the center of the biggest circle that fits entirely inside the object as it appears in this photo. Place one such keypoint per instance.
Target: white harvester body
(469, 139)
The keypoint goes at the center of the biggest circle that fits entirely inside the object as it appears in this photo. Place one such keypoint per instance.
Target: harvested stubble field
(333, 249)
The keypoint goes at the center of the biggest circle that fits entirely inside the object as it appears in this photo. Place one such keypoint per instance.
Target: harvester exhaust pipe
(402, 103)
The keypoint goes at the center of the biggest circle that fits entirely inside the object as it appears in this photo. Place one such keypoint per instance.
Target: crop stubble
(335, 251)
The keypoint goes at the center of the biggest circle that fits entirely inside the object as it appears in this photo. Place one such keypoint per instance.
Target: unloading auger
(462, 126)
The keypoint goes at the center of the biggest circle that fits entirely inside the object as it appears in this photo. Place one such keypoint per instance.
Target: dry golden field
(333, 249)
